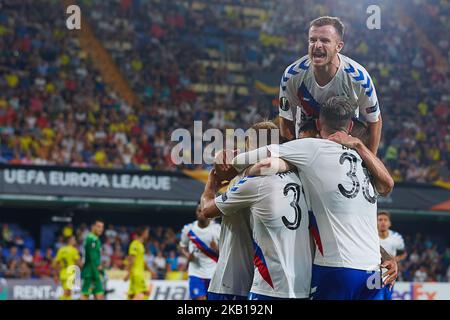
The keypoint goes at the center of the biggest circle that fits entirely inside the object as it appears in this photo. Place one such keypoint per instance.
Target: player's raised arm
(208, 205)
(241, 195)
(382, 179)
(375, 134)
(369, 108)
(245, 159)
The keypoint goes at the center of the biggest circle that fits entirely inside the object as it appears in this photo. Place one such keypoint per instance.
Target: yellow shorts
(137, 285)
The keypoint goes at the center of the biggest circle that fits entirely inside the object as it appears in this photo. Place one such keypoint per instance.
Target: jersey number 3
(295, 188)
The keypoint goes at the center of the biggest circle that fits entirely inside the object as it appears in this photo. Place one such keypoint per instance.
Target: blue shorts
(330, 283)
(225, 297)
(261, 297)
(198, 287)
(387, 293)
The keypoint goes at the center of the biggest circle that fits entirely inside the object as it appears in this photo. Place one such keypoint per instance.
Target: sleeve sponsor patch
(372, 109)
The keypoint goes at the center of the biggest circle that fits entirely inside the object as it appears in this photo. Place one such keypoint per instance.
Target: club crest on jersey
(284, 104)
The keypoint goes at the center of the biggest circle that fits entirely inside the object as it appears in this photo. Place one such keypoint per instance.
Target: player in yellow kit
(138, 289)
(67, 261)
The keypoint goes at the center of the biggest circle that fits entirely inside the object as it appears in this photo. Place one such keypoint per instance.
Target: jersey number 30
(353, 192)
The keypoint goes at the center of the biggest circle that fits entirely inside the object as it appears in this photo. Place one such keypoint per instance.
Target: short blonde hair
(272, 130)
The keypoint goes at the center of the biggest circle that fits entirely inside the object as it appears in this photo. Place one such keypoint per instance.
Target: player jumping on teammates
(323, 73)
(92, 273)
(335, 172)
(392, 242)
(199, 245)
(138, 289)
(67, 261)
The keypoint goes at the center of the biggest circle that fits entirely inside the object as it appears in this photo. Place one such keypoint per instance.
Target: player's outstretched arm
(382, 179)
(245, 159)
(268, 167)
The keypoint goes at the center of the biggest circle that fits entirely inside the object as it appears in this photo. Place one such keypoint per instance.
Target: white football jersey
(234, 272)
(393, 243)
(343, 201)
(301, 96)
(198, 241)
(282, 251)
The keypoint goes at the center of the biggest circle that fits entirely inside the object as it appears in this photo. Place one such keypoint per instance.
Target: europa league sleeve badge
(284, 104)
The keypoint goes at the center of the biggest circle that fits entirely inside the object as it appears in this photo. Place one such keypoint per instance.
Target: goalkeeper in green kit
(92, 273)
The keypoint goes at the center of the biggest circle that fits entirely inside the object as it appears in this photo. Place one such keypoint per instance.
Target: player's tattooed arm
(390, 263)
(382, 179)
(385, 255)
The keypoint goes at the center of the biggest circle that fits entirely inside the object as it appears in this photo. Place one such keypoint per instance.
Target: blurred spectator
(172, 261)
(448, 274)
(421, 274)
(111, 233)
(7, 236)
(160, 265)
(27, 257)
(59, 243)
(117, 259)
(13, 256)
(123, 235)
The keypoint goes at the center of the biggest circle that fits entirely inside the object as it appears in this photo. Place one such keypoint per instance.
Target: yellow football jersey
(67, 256)
(137, 250)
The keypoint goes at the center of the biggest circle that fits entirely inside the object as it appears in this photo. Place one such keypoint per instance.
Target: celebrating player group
(299, 219)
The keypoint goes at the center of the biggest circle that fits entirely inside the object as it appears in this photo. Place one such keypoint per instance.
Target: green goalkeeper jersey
(92, 256)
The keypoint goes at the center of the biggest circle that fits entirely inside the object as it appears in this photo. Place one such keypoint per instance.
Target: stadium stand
(190, 61)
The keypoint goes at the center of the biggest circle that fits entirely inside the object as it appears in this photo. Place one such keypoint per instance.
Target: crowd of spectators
(426, 261)
(193, 60)
(19, 259)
